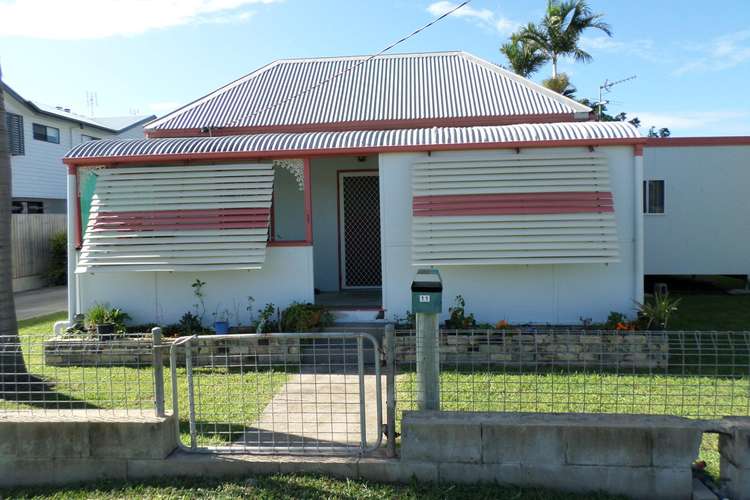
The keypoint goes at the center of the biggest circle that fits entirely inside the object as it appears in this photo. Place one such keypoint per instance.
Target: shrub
(300, 317)
(57, 271)
(266, 322)
(189, 324)
(458, 318)
(615, 318)
(655, 313)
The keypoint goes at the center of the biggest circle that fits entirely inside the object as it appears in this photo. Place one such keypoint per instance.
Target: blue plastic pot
(221, 327)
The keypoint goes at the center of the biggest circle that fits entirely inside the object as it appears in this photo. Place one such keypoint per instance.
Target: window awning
(520, 209)
(164, 218)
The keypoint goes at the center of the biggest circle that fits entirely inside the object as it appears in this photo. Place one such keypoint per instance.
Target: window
(15, 134)
(27, 207)
(86, 138)
(653, 197)
(47, 134)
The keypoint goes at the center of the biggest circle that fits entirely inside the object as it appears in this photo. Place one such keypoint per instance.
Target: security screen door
(359, 230)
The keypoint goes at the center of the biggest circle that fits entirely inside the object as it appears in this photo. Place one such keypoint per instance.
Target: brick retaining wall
(137, 351)
(605, 349)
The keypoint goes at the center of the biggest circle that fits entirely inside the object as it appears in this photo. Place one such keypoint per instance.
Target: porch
(337, 212)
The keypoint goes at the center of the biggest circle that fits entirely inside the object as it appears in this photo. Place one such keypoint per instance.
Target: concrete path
(317, 412)
(33, 303)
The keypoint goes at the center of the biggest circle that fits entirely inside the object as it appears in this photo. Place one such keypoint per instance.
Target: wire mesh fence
(690, 374)
(43, 372)
(286, 392)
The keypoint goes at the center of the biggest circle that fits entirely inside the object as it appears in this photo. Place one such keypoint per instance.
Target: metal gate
(293, 393)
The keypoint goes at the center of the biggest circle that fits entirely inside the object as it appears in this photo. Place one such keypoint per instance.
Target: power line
(354, 66)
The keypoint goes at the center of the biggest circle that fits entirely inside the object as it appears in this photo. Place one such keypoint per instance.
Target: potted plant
(221, 322)
(106, 322)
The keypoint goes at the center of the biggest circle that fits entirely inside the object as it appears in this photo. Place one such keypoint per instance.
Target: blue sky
(150, 56)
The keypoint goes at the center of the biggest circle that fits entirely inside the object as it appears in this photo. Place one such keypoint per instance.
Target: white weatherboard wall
(163, 297)
(40, 173)
(705, 228)
(561, 293)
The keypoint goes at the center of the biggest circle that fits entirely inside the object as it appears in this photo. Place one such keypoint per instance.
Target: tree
(561, 84)
(523, 59)
(623, 117)
(559, 32)
(662, 132)
(14, 378)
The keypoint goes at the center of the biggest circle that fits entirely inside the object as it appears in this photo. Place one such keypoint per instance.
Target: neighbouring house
(331, 180)
(39, 136)
(697, 206)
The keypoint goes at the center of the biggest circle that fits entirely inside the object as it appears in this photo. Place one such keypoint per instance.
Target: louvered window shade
(519, 209)
(186, 218)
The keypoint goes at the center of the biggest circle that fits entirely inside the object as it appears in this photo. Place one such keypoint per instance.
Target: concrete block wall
(639, 456)
(734, 448)
(72, 446)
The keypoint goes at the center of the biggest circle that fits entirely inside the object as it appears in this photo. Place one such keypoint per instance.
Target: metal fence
(314, 393)
(691, 374)
(41, 372)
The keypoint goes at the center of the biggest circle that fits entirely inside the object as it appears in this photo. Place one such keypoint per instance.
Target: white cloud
(693, 121)
(89, 19)
(643, 48)
(723, 52)
(483, 17)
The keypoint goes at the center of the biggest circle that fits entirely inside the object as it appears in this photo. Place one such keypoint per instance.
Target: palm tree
(560, 31)
(561, 84)
(14, 378)
(524, 59)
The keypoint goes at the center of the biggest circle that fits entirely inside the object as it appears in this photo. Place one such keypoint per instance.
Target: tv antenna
(92, 101)
(607, 87)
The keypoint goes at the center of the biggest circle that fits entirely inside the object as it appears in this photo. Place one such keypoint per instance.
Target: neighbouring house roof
(386, 92)
(109, 124)
(332, 142)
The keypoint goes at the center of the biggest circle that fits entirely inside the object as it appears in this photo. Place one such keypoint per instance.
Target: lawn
(122, 387)
(292, 486)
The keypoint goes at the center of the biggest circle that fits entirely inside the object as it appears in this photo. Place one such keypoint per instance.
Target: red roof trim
(365, 125)
(255, 155)
(740, 140)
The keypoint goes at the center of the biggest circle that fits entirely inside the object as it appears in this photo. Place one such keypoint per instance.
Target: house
(39, 137)
(697, 206)
(331, 180)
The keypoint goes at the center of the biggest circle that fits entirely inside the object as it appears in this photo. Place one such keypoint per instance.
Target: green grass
(712, 312)
(292, 486)
(222, 410)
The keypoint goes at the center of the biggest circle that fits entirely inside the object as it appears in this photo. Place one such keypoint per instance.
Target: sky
(150, 56)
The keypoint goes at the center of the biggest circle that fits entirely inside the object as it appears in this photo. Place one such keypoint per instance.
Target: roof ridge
(258, 108)
(527, 81)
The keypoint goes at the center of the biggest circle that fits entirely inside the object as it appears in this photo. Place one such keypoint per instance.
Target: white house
(332, 180)
(39, 137)
(697, 206)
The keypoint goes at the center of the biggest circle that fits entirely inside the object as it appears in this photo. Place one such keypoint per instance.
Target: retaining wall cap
(556, 419)
(62, 416)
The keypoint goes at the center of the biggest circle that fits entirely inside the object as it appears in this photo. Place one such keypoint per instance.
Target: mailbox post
(427, 304)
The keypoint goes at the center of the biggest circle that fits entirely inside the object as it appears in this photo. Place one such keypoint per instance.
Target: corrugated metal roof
(392, 87)
(355, 139)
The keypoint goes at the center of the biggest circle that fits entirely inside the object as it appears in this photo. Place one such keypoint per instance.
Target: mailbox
(427, 292)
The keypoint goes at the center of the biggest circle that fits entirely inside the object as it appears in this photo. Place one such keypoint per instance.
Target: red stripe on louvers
(232, 218)
(513, 204)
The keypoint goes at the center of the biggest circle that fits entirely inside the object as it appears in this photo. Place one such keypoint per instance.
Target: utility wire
(354, 66)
